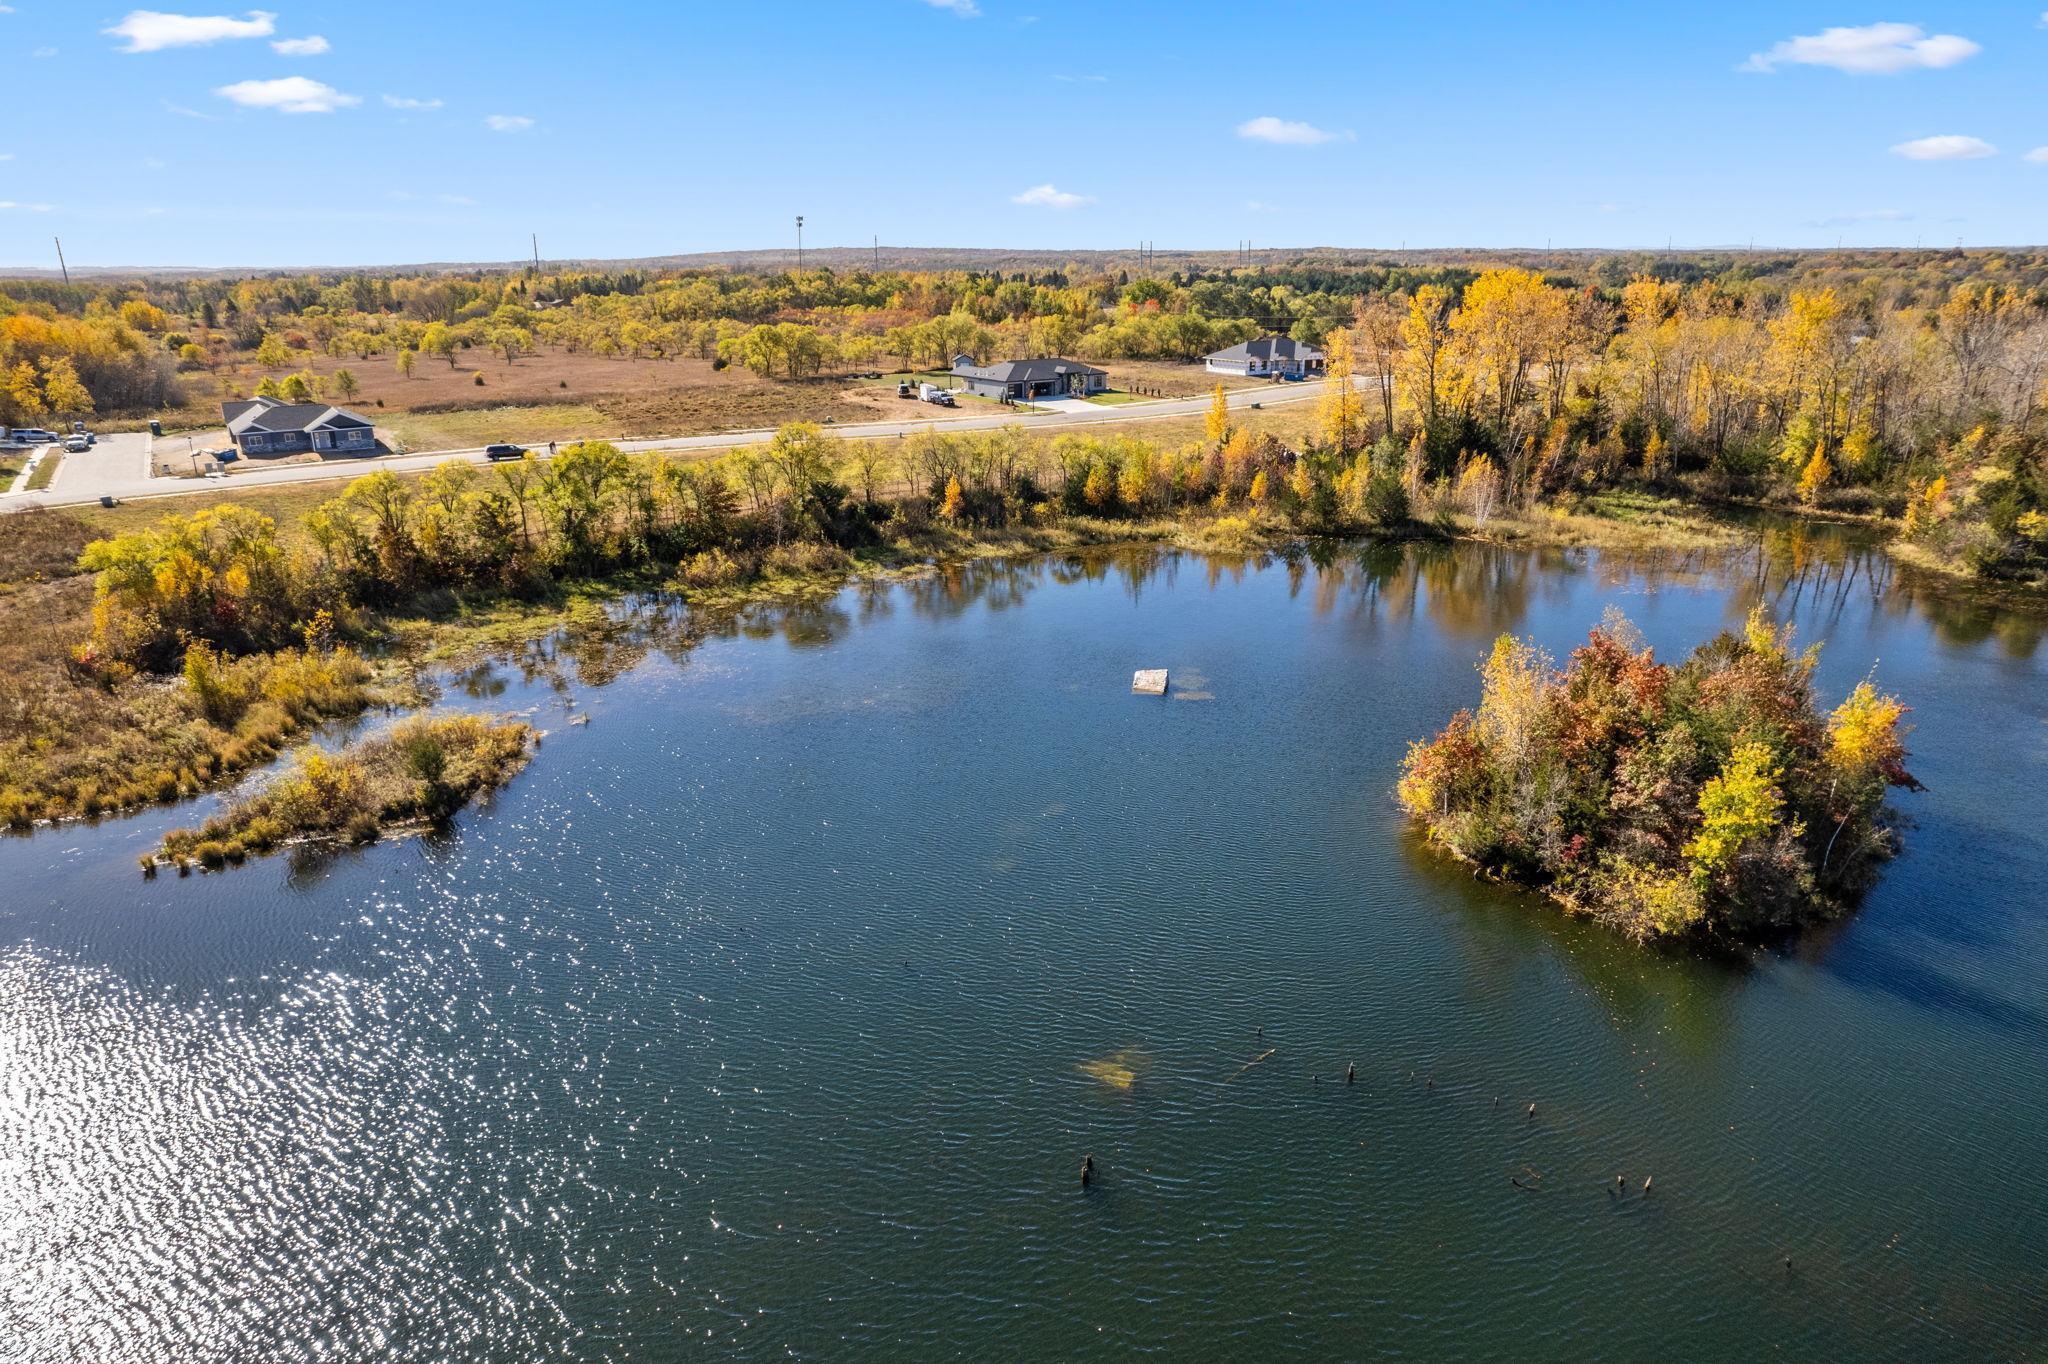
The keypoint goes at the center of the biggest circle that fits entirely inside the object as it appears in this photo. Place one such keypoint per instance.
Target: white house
(1280, 357)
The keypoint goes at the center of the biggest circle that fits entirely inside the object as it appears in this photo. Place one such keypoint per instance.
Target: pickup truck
(31, 435)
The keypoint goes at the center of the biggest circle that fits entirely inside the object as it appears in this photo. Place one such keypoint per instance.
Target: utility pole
(60, 259)
(878, 253)
(536, 253)
(799, 243)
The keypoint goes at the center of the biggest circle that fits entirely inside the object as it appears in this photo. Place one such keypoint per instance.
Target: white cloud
(182, 112)
(1947, 147)
(1872, 50)
(966, 9)
(148, 31)
(1255, 206)
(311, 46)
(44, 52)
(507, 123)
(6, 204)
(288, 95)
(406, 102)
(1082, 80)
(1288, 133)
(6, 156)
(2039, 156)
(462, 200)
(1045, 196)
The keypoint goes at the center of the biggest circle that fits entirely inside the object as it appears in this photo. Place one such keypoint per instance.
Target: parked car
(932, 393)
(496, 452)
(31, 435)
(76, 445)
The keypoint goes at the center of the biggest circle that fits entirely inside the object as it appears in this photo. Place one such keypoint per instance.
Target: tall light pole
(799, 243)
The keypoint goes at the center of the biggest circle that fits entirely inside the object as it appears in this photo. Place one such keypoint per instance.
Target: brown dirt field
(631, 397)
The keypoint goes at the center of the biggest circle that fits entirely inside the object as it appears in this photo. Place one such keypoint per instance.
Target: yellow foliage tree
(1815, 476)
(1339, 419)
(1258, 493)
(1863, 732)
(1656, 456)
(951, 507)
(1217, 428)
(1098, 490)
(1738, 804)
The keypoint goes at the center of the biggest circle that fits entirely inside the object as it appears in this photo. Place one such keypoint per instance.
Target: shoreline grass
(415, 774)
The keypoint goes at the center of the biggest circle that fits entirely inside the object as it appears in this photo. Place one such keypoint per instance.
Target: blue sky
(418, 131)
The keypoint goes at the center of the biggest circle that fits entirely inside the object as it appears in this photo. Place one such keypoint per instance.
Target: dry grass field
(556, 395)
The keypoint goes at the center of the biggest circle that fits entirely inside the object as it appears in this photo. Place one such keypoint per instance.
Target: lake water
(771, 1013)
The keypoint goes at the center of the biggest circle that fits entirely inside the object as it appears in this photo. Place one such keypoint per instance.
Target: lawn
(1116, 398)
(538, 423)
(46, 469)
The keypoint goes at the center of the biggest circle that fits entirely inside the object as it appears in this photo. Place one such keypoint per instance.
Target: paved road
(119, 465)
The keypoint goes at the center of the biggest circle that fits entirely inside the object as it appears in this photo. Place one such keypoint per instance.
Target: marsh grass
(418, 772)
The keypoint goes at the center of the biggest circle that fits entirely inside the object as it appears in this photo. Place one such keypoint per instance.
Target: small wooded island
(1711, 798)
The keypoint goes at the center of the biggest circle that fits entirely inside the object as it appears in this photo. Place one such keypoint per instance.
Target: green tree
(578, 490)
(438, 340)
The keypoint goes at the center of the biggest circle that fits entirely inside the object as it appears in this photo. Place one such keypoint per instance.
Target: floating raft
(1149, 681)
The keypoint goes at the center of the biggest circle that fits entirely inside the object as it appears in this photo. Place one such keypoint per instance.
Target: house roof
(1269, 348)
(1025, 371)
(271, 414)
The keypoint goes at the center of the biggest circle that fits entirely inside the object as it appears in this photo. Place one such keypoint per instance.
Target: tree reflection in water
(1470, 591)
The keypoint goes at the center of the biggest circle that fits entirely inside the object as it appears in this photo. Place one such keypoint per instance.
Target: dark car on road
(504, 452)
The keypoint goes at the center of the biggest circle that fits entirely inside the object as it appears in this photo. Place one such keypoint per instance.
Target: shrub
(714, 568)
(806, 558)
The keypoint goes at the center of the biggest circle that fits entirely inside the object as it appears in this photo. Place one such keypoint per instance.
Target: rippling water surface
(771, 1013)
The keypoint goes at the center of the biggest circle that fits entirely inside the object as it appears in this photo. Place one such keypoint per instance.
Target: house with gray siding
(1024, 380)
(1268, 357)
(269, 426)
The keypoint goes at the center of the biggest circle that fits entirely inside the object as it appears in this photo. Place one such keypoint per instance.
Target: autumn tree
(1377, 329)
(1217, 427)
(1338, 416)
(1425, 339)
